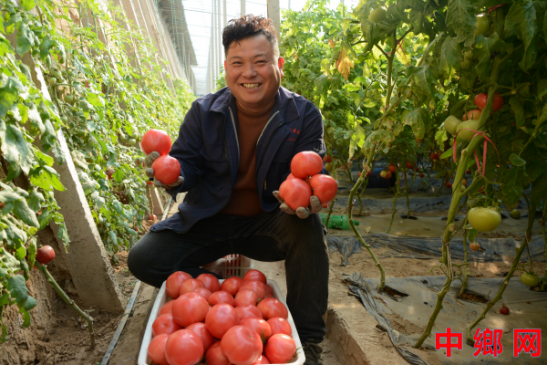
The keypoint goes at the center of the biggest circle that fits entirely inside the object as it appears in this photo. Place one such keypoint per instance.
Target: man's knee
(136, 260)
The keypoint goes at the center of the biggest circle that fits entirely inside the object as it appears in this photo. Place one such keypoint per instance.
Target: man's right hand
(148, 161)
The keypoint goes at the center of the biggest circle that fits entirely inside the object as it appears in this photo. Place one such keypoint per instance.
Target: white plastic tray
(161, 299)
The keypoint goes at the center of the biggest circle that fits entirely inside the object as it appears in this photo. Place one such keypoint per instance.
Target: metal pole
(275, 15)
(243, 11)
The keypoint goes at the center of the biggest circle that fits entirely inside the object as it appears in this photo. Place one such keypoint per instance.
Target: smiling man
(235, 147)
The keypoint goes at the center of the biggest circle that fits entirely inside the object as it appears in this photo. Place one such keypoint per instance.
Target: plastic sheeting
(492, 249)
(527, 311)
(417, 204)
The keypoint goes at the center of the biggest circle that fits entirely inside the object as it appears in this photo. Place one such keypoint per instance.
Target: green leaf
(417, 120)
(451, 57)
(516, 160)
(37, 127)
(521, 21)
(44, 219)
(539, 188)
(446, 154)
(62, 234)
(24, 39)
(28, 4)
(95, 100)
(511, 191)
(22, 211)
(46, 178)
(424, 81)
(542, 84)
(518, 109)
(460, 16)
(15, 148)
(484, 48)
(35, 199)
(18, 289)
(8, 95)
(45, 48)
(113, 237)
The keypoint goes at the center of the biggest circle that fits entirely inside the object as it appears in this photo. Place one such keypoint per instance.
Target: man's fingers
(179, 181)
(276, 194)
(315, 204)
(302, 212)
(152, 156)
(286, 209)
(149, 172)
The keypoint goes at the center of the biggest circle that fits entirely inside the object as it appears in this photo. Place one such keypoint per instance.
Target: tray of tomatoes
(234, 321)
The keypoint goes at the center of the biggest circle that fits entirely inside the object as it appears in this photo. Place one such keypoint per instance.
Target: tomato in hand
(156, 140)
(248, 311)
(214, 356)
(220, 319)
(232, 285)
(324, 187)
(255, 275)
(172, 285)
(271, 308)
(246, 297)
(221, 297)
(255, 285)
(210, 282)
(241, 345)
(184, 347)
(201, 330)
(482, 99)
(166, 169)
(45, 255)
(156, 349)
(258, 325)
(280, 349)
(280, 325)
(295, 193)
(306, 163)
(164, 324)
(189, 308)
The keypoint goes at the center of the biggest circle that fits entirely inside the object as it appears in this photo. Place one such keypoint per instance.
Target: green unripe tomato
(466, 129)
(515, 214)
(328, 167)
(377, 15)
(451, 124)
(529, 279)
(483, 24)
(484, 219)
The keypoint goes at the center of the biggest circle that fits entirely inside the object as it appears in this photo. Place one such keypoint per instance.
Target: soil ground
(352, 339)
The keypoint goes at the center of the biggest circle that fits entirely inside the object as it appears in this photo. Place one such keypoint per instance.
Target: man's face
(252, 72)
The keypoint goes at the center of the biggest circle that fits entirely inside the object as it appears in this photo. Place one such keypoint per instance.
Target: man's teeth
(250, 86)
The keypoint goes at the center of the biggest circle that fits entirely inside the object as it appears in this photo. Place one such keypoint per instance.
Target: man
(235, 147)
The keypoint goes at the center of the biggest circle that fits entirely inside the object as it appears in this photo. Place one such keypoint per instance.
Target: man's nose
(249, 70)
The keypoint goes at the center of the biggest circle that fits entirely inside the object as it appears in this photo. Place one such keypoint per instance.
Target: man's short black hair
(249, 26)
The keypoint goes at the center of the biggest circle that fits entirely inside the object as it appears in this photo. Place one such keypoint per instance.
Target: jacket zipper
(235, 131)
(266, 148)
(266, 126)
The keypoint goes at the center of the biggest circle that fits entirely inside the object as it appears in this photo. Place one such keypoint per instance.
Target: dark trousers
(269, 237)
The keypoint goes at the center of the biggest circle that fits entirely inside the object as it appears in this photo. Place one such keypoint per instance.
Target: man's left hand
(301, 212)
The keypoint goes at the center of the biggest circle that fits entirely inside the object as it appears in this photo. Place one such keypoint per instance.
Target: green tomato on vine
(377, 15)
(483, 24)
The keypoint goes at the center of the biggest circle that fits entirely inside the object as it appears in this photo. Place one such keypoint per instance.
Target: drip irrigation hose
(129, 307)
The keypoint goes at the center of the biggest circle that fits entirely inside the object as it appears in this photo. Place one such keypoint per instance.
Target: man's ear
(224, 65)
(280, 63)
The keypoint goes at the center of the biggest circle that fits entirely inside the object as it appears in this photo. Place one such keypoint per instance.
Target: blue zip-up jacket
(207, 149)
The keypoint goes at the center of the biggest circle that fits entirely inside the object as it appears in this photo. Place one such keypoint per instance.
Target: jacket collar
(285, 103)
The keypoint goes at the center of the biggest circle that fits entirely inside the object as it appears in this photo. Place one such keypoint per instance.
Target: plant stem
(330, 212)
(86, 317)
(394, 201)
(544, 281)
(490, 304)
(465, 264)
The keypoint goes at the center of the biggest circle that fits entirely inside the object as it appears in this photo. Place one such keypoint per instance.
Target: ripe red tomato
(246, 297)
(189, 285)
(248, 311)
(155, 140)
(156, 349)
(369, 173)
(280, 349)
(269, 289)
(504, 310)
(166, 309)
(172, 285)
(324, 187)
(261, 360)
(409, 165)
(306, 163)
(392, 168)
(241, 345)
(359, 174)
(290, 177)
(296, 193)
(258, 325)
(214, 356)
(473, 246)
(204, 292)
(280, 325)
(184, 347)
(271, 308)
(149, 183)
(109, 172)
(166, 169)
(152, 217)
(232, 285)
(189, 308)
(255, 275)
(164, 324)
(447, 184)
(327, 159)
(422, 174)
(482, 99)
(474, 114)
(434, 156)
(255, 285)
(45, 255)
(221, 297)
(220, 319)
(210, 282)
(201, 330)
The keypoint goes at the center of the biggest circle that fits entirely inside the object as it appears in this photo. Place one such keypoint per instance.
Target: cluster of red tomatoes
(166, 168)
(236, 323)
(305, 180)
